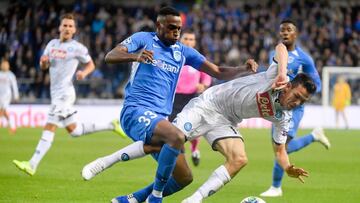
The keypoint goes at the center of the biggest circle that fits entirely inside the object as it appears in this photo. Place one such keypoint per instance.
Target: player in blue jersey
(298, 61)
(157, 58)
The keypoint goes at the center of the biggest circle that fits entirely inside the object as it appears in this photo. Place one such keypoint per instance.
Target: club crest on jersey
(126, 41)
(264, 104)
(188, 126)
(177, 55)
(290, 59)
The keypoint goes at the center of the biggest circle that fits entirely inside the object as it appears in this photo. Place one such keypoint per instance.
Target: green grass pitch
(334, 174)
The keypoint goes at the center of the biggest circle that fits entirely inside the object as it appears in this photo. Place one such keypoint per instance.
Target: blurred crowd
(226, 34)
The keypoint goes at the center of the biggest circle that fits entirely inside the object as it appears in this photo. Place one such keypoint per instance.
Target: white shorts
(195, 120)
(4, 103)
(62, 112)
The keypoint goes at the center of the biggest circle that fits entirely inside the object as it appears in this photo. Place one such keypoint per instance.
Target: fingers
(252, 65)
(145, 56)
(301, 179)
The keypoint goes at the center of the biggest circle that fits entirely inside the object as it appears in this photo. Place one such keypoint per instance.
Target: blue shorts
(297, 114)
(139, 122)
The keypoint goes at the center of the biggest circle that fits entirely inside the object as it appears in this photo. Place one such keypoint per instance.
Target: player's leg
(345, 118)
(1, 115)
(195, 152)
(234, 151)
(12, 128)
(42, 148)
(77, 129)
(130, 152)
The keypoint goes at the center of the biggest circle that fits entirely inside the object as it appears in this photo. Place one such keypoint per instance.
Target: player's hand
(145, 56)
(280, 82)
(251, 65)
(298, 173)
(80, 75)
(44, 61)
(200, 88)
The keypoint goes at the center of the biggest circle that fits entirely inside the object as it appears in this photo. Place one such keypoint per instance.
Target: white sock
(130, 152)
(42, 147)
(86, 128)
(217, 179)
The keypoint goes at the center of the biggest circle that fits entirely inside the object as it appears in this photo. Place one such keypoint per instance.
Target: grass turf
(334, 174)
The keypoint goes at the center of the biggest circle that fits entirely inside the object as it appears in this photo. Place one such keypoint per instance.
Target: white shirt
(8, 86)
(64, 58)
(249, 97)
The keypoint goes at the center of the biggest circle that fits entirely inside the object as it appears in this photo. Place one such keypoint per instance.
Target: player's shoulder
(302, 53)
(53, 41)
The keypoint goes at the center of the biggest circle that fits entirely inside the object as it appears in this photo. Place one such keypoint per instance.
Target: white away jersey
(64, 58)
(249, 97)
(8, 88)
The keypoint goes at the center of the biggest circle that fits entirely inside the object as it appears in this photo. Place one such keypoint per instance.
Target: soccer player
(62, 57)
(157, 59)
(341, 99)
(191, 83)
(216, 113)
(298, 59)
(8, 90)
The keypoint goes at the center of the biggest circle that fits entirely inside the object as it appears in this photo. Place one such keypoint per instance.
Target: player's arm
(14, 87)
(281, 57)
(310, 69)
(120, 54)
(89, 67)
(44, 62)
(228, 73)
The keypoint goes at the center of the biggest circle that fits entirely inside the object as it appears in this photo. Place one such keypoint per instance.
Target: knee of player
(177, 138)
(75, 131)
(239, 161)
(187, 179)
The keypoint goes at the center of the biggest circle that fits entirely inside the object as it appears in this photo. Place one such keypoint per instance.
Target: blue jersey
(299, 60)
(153, 84)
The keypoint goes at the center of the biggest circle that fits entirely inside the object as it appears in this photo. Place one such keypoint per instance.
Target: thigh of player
(139, 122)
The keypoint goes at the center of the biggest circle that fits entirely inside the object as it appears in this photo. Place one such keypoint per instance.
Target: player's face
(293, 96)
(169, 28)
(288, 33)
(188, 39)
(5, 66)
(67, 29)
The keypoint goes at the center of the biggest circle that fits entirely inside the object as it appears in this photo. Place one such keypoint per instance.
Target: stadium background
(228, 32)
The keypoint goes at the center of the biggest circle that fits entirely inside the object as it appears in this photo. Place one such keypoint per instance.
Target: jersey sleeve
(282, 128)
(83, 54)
(193, 57)
(310, 69)
(47, 48)
(271, 56)
(135, 42)
(14, 86)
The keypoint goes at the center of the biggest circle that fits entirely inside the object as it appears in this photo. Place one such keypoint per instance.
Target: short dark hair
(167, 10)
(68, 16)
(188, 31)
(288, 21)
(306, 81)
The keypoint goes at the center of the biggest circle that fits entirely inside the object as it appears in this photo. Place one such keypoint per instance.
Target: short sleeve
(193, 57)
(282, 128)
(135, 42)
(83, 54)
(47, 48)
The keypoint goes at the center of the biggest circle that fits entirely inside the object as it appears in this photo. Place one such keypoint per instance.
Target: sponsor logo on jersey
(163, 65)
(57, 54)
(264, 104)
(291, 59)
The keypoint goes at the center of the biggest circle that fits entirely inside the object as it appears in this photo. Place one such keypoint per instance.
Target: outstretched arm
(228, 73)
(281, 57)
(120, 54)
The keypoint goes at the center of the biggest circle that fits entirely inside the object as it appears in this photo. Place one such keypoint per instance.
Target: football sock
(166, 164)
(217, 179)
(86, 128)
(132, 151)
(194, 144)
(171, 187)
(42, 147)
(278, 174)
(299, 143)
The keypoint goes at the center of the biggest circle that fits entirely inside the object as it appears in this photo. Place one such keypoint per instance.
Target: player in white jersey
(215, 114)
(8, 91)
(62, 57)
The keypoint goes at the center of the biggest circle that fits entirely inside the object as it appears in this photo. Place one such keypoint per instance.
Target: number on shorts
(146, 118)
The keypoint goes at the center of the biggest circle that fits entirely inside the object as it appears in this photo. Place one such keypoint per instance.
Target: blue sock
(166, 164)
(299, 143)
(278, 174)
(171, 187)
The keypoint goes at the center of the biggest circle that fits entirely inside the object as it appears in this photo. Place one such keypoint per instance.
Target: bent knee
(239, 162)
(186, 180)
